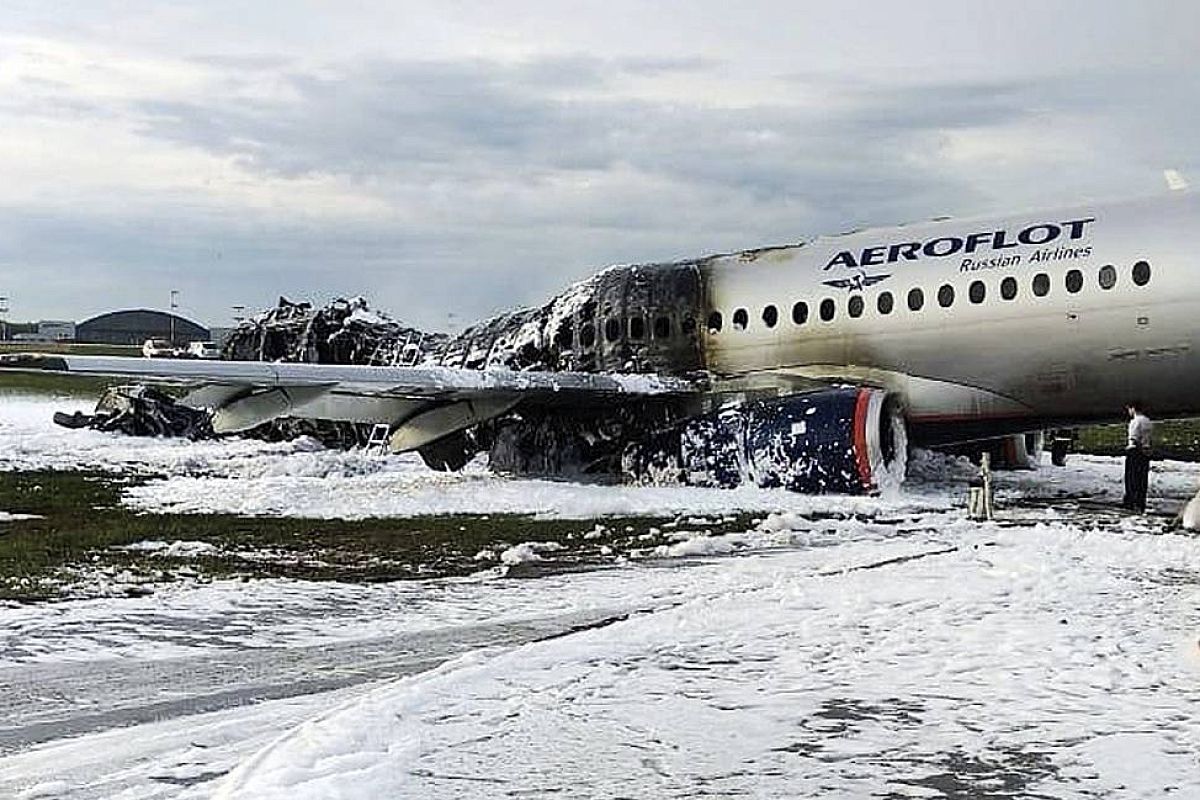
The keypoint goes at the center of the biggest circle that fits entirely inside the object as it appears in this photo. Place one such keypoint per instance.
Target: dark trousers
(1137, 477)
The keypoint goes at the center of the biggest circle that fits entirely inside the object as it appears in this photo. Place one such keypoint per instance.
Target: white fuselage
(1077, 352)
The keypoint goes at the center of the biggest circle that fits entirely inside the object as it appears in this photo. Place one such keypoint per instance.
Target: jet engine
(845, 440)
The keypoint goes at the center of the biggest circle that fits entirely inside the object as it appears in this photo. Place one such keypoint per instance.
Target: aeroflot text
(1040, 234)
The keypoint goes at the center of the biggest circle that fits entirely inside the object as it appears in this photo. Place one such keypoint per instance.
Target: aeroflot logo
(1040, 234)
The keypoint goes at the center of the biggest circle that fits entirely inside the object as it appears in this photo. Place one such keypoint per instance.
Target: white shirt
(1140, 428)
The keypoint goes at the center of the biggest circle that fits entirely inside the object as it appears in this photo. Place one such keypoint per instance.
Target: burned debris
(343, 332)
(141, 411)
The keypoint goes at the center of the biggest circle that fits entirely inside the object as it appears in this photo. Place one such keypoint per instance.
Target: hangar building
(136, 326)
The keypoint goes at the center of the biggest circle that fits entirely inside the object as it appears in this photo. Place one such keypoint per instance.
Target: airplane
(811, 366)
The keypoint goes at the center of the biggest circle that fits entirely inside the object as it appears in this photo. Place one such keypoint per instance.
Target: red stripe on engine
(861, 456)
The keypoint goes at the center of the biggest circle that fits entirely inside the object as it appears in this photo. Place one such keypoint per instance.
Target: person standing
(1137, 457)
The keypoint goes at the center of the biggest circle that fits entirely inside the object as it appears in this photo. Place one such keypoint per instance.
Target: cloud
(561, 143)
(438, 122)
(488, 181)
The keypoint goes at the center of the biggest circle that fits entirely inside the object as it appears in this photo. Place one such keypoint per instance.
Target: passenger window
(946, 295)
(885, 303)
(1041, 284)
(689, 324)
(1141, 273)
(741, 318)
(612, 329)
(565, 336)
(770, 316)
(714, 322)
(827, 309)
(855, 306)
(1108, 276)
(662, 327)
(1008, 288)
(1074, 281)
(587, 334)
(800, 313)
(978, 292)
(916, 299)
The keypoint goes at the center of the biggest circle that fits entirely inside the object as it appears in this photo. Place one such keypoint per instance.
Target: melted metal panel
(631, 319)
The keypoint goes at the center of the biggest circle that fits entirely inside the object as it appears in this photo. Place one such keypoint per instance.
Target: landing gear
(1061, 443)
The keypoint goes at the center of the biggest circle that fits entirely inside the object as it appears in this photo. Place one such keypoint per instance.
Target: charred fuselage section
(629, 319)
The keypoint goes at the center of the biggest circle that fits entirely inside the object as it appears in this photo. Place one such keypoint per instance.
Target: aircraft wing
(421, 403)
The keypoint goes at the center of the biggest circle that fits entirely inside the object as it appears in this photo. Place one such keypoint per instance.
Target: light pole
(174, 305)
(3, 323)
(239, 314)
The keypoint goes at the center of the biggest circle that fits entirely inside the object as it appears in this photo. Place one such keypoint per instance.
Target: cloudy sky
(454, 158)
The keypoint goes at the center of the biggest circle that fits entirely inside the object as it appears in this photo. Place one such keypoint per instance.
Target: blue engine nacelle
(845, 440)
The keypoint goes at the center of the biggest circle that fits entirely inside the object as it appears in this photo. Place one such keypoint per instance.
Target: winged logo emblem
(856, 283)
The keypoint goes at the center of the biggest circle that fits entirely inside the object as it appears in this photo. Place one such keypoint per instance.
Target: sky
(450, 159)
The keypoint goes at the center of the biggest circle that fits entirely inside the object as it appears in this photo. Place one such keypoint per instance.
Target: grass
(83, 526)
(12, 382)
(1173, 438)
(52, 383)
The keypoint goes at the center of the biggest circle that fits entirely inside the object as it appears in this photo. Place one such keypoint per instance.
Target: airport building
(135, 326)
(53, 330)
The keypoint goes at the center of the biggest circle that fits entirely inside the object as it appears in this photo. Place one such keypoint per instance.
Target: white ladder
(378, 440)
